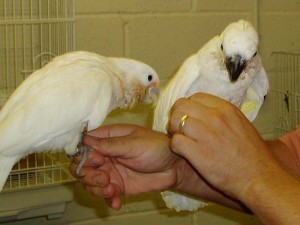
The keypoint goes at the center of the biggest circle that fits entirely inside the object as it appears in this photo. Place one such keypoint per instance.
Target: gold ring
(182, 122)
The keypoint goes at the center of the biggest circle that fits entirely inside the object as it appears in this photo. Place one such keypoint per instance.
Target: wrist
(189, 181)
(274, 197)
(186, 177)
(285, 156)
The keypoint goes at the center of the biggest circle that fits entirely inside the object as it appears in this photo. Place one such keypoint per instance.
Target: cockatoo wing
(176, 88)
(50, 108)
(209, 73)
(179, 86)
(41, 113)
(255, 96)
(29, 121)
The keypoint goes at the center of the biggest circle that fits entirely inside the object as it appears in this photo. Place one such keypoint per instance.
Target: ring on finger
(182, 122)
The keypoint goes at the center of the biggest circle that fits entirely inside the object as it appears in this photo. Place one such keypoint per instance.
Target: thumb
(109, 147)
(113, 130)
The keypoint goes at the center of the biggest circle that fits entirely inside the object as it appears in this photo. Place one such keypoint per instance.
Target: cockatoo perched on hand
(50, 108)
(229, 67)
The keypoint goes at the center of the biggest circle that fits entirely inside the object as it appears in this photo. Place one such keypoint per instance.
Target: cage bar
(32, 32)
(285, 91)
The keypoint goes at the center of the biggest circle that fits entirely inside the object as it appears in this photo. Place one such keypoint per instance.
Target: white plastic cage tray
(285, 91)
(49, 201)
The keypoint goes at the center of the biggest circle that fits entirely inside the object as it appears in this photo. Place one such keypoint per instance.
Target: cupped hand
(127, 160)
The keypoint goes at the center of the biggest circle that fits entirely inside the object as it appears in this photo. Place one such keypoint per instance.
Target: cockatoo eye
(150, 77)
(222, 47)
(254, 54)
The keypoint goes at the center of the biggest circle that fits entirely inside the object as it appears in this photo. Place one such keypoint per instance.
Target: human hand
(220, 143)
(127, 160)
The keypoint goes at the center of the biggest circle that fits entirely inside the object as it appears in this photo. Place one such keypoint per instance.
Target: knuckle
(174, 120)
(102, 144)
(175, 142)
(196, 96)
(224, 116)
(181, 101)
(178, 103)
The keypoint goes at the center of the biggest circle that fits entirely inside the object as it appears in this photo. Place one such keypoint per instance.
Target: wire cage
(286, 91)
(38, 170)
(32, 32)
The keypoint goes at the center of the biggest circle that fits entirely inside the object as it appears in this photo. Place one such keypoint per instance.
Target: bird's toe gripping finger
(84, 152)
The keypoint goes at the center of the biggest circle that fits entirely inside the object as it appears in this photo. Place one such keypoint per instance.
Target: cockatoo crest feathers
(240, 38)
(136, 70)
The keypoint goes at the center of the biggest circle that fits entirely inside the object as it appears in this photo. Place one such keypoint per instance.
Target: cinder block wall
(163, 33)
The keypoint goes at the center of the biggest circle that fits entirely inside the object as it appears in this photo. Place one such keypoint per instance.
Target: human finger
(216, 104)
(197, 130)
(95, 159)
(111, 194)
(113, 130)
(208, 100)
(185, 147)
(108, 191)
(110, 147)
(188, 113)
(90, 176)
(200, 115)
(114, 202)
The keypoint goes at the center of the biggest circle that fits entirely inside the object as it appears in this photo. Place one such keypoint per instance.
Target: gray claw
(84, 151)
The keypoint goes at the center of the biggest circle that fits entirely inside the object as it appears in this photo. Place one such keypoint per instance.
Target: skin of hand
(285, 156)
(224, 147)
(129, 160)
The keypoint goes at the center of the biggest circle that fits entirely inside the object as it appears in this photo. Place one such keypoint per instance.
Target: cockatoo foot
(84, 152)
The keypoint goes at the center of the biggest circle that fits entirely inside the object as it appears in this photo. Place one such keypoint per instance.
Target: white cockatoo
(49, 110)
(229, 67)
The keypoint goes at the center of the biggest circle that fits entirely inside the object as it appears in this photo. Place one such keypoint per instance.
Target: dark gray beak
(235, 66)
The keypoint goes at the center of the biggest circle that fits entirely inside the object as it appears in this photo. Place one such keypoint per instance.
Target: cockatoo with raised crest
(50, 109)
(229, 67)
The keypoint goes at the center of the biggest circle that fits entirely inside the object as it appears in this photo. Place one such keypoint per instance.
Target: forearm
(285, 156)
(275, 198)
(192, 183)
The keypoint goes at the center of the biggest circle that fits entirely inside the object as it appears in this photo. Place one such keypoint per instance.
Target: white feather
(47, 111)
(206, 72)
(256, 94)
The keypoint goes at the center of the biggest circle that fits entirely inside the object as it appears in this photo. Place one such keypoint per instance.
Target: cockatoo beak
(235, 66)
(151, 95)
